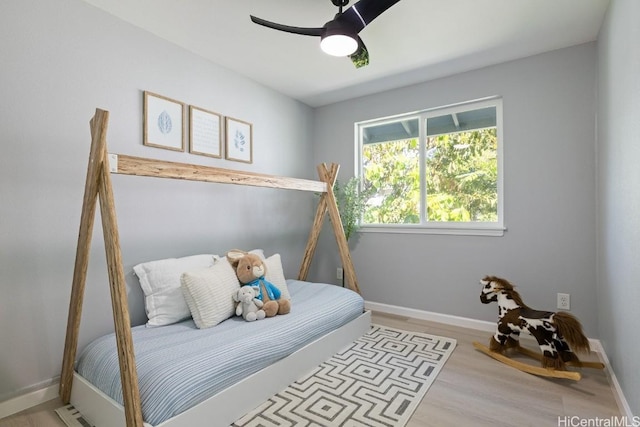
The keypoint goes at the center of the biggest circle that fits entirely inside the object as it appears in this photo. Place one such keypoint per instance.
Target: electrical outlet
(339, 273)
(564, 301)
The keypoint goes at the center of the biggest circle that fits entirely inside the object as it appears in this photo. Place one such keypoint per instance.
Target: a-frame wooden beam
(98, 141)
(119, 304)
(328, 205)
(314, 234)
(338, 230)
(98, 186)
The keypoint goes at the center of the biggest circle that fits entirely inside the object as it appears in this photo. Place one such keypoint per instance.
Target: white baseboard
(28, 400)
(447, 319)
(621, 400)
(482, 325)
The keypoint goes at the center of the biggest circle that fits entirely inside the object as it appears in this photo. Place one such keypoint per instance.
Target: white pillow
(209, 293)
(275, 275)
(160, 282)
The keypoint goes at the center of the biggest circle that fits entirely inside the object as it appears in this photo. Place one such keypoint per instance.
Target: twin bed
(179, 375)
(190, 376)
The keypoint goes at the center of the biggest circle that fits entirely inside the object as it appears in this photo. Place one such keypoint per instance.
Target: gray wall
(619, 193)
(63, 58)
(60, 60)
(549, 168)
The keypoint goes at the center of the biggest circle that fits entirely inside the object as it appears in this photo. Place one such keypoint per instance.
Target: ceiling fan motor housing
(339, 37)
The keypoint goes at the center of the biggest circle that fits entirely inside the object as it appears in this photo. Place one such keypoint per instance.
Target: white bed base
(232, 403)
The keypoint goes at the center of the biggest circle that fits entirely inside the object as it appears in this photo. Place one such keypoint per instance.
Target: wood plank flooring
(471, 390)
(475, 390)
(39, 416)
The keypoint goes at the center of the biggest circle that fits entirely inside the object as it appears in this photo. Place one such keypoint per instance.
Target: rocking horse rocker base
(537, 370)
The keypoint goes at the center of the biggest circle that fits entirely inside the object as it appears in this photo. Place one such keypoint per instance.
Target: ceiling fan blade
(287, 28)
(363, 12)
(360, 57)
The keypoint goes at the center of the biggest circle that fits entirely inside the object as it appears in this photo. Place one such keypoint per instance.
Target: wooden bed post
(328, 204)
(338, 231)
(321, 211)
(98, 183)
(121, 318)
(98, 140)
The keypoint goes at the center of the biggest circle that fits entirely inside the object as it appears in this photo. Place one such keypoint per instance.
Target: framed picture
(205, 132)
(239, 140)
(163, 122)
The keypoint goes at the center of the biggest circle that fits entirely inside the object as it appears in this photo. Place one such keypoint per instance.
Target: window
(437, 170)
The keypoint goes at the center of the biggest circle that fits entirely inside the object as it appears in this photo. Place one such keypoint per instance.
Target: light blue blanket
(180, 366)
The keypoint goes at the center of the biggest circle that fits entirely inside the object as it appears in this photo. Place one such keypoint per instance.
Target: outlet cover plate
(564, 301)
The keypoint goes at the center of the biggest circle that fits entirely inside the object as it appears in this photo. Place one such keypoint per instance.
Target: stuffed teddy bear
(250, 269)
(249, 307)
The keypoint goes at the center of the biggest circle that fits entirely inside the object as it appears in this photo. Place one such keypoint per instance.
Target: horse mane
(508, 288)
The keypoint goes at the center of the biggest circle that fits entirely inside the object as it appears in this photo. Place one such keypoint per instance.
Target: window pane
(461, 176)
(392, 177)
(437, 169)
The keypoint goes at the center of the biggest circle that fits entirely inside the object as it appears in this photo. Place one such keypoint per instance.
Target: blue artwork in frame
(163, 122)
(239, 140)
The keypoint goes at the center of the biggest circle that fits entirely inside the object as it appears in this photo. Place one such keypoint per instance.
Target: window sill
(466, 230)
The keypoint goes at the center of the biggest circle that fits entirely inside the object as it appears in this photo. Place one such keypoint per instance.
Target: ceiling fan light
(338, 44)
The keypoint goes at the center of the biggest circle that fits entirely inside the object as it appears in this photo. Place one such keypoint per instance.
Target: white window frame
(438, 227)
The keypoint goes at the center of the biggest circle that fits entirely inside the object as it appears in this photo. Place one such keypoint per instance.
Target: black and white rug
(378, 381)
(72, 417)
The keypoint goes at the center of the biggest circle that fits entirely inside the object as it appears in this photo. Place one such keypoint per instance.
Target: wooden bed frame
(227, 405)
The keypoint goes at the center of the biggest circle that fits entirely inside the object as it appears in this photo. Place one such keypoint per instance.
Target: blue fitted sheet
(180, 366)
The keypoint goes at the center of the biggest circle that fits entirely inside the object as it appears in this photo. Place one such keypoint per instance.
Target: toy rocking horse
(558, 334)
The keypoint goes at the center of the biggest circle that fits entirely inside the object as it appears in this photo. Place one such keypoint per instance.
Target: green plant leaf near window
(351, 200)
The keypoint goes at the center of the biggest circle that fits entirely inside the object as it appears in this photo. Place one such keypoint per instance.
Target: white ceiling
(414, 41)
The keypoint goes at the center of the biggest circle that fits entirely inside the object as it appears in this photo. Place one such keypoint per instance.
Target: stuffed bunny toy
(250, 269)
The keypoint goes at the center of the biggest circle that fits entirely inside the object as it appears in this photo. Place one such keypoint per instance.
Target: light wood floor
(474, 390)
(471, 390)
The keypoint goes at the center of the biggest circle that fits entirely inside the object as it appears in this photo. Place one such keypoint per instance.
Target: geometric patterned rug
(72, 417)
(378, 381)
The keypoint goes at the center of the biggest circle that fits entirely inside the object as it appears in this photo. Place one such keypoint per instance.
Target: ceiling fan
(339, 37)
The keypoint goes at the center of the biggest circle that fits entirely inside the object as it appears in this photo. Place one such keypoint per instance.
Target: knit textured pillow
(209, 293)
